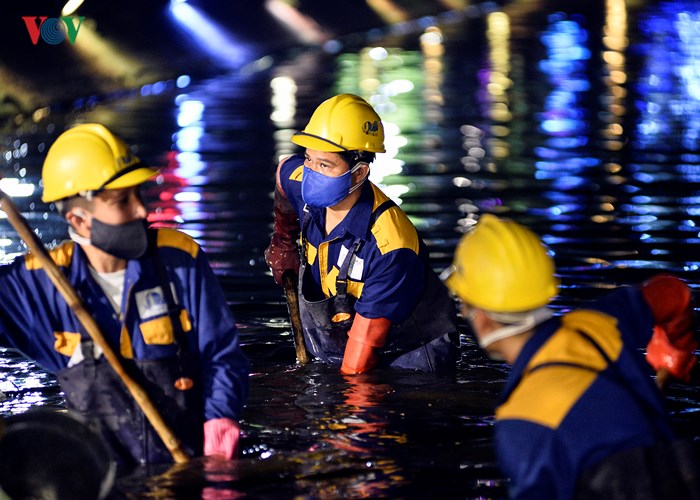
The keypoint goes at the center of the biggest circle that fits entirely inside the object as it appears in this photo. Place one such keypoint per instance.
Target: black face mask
(125, 241)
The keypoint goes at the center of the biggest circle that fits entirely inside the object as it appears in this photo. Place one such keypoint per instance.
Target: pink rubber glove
(221, 437)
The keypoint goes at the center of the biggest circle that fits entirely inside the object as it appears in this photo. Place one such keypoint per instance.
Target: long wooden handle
(75, 303)
(290, 290)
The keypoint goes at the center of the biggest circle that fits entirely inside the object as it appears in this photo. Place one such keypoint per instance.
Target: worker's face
(331, 165)
(117, 206)
(113, 221)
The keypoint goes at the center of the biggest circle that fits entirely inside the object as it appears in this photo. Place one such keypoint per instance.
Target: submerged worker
(153, 295)
(580, 413)
(367, 293)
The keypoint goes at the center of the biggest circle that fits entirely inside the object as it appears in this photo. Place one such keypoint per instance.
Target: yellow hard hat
(344, 122)
(501, 266)
(89, 157)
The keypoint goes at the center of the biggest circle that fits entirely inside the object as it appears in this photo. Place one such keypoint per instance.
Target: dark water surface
(582, 124)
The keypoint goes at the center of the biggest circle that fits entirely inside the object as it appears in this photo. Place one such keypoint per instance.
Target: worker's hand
(662, 354)
(221, 437)
(282, 255)
(673, 341)
(364, 337)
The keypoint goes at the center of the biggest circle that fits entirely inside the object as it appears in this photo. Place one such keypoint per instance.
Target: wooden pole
(290, 290)
(75, 303)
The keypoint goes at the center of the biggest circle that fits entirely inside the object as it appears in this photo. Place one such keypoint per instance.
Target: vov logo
(53, 30)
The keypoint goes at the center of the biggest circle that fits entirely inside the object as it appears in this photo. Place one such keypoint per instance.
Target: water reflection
(669, 82)
(528, 113)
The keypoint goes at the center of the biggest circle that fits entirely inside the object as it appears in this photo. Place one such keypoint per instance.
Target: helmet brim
(316, 143)
(132, 178)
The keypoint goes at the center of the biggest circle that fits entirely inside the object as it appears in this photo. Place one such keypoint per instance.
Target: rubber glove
(673, 341)
(364, 336)
(221, 437)
(283, 252)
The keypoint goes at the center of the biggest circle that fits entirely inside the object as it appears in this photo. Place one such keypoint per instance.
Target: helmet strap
(80, 240)
(525, 321)
(354, 169)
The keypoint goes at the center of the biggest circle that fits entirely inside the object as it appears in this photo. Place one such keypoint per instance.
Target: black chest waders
(668, 469)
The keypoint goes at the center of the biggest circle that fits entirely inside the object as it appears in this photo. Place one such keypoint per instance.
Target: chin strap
(517, 323)
(80, 240)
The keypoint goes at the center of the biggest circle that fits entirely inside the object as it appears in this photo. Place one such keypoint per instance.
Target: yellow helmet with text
(501, 266)
(89, 158)
(344, 122)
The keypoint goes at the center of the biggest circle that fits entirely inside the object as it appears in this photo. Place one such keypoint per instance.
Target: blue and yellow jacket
(579, 392)
(388, 275)
(35, 318)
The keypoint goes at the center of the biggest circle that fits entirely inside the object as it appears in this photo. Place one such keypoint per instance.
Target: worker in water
(580, 413)
(368, 295)
(153, 296)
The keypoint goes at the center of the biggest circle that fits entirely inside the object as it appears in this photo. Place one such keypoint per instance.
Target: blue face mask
(321, 191)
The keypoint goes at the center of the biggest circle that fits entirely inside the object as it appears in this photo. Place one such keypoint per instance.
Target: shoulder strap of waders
(615, 375)
(305, 221)
(174, 310)
(341, 282)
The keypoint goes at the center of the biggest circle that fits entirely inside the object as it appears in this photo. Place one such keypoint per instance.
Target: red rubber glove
(221, 437)
(364, 336)
(673, 341)
(283, 252)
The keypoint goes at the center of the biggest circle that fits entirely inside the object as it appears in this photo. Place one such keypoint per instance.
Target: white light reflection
(189, 112)
(189, 164)
(188, 196)
(71, 6)
(15, 189)
(284, 108)
(284, 102)
(189, 118)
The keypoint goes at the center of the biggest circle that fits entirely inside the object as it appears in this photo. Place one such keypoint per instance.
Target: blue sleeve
(225, 368)
(635, 320)
(395, 283)
(25, 305)
(15, 321)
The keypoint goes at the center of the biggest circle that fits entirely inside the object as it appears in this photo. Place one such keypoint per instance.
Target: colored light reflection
(564, 119)
(666, 136)
(304, 28)
(616, 43)
(210, 37)
(392, 81)
(669, 83)
(166, 212)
